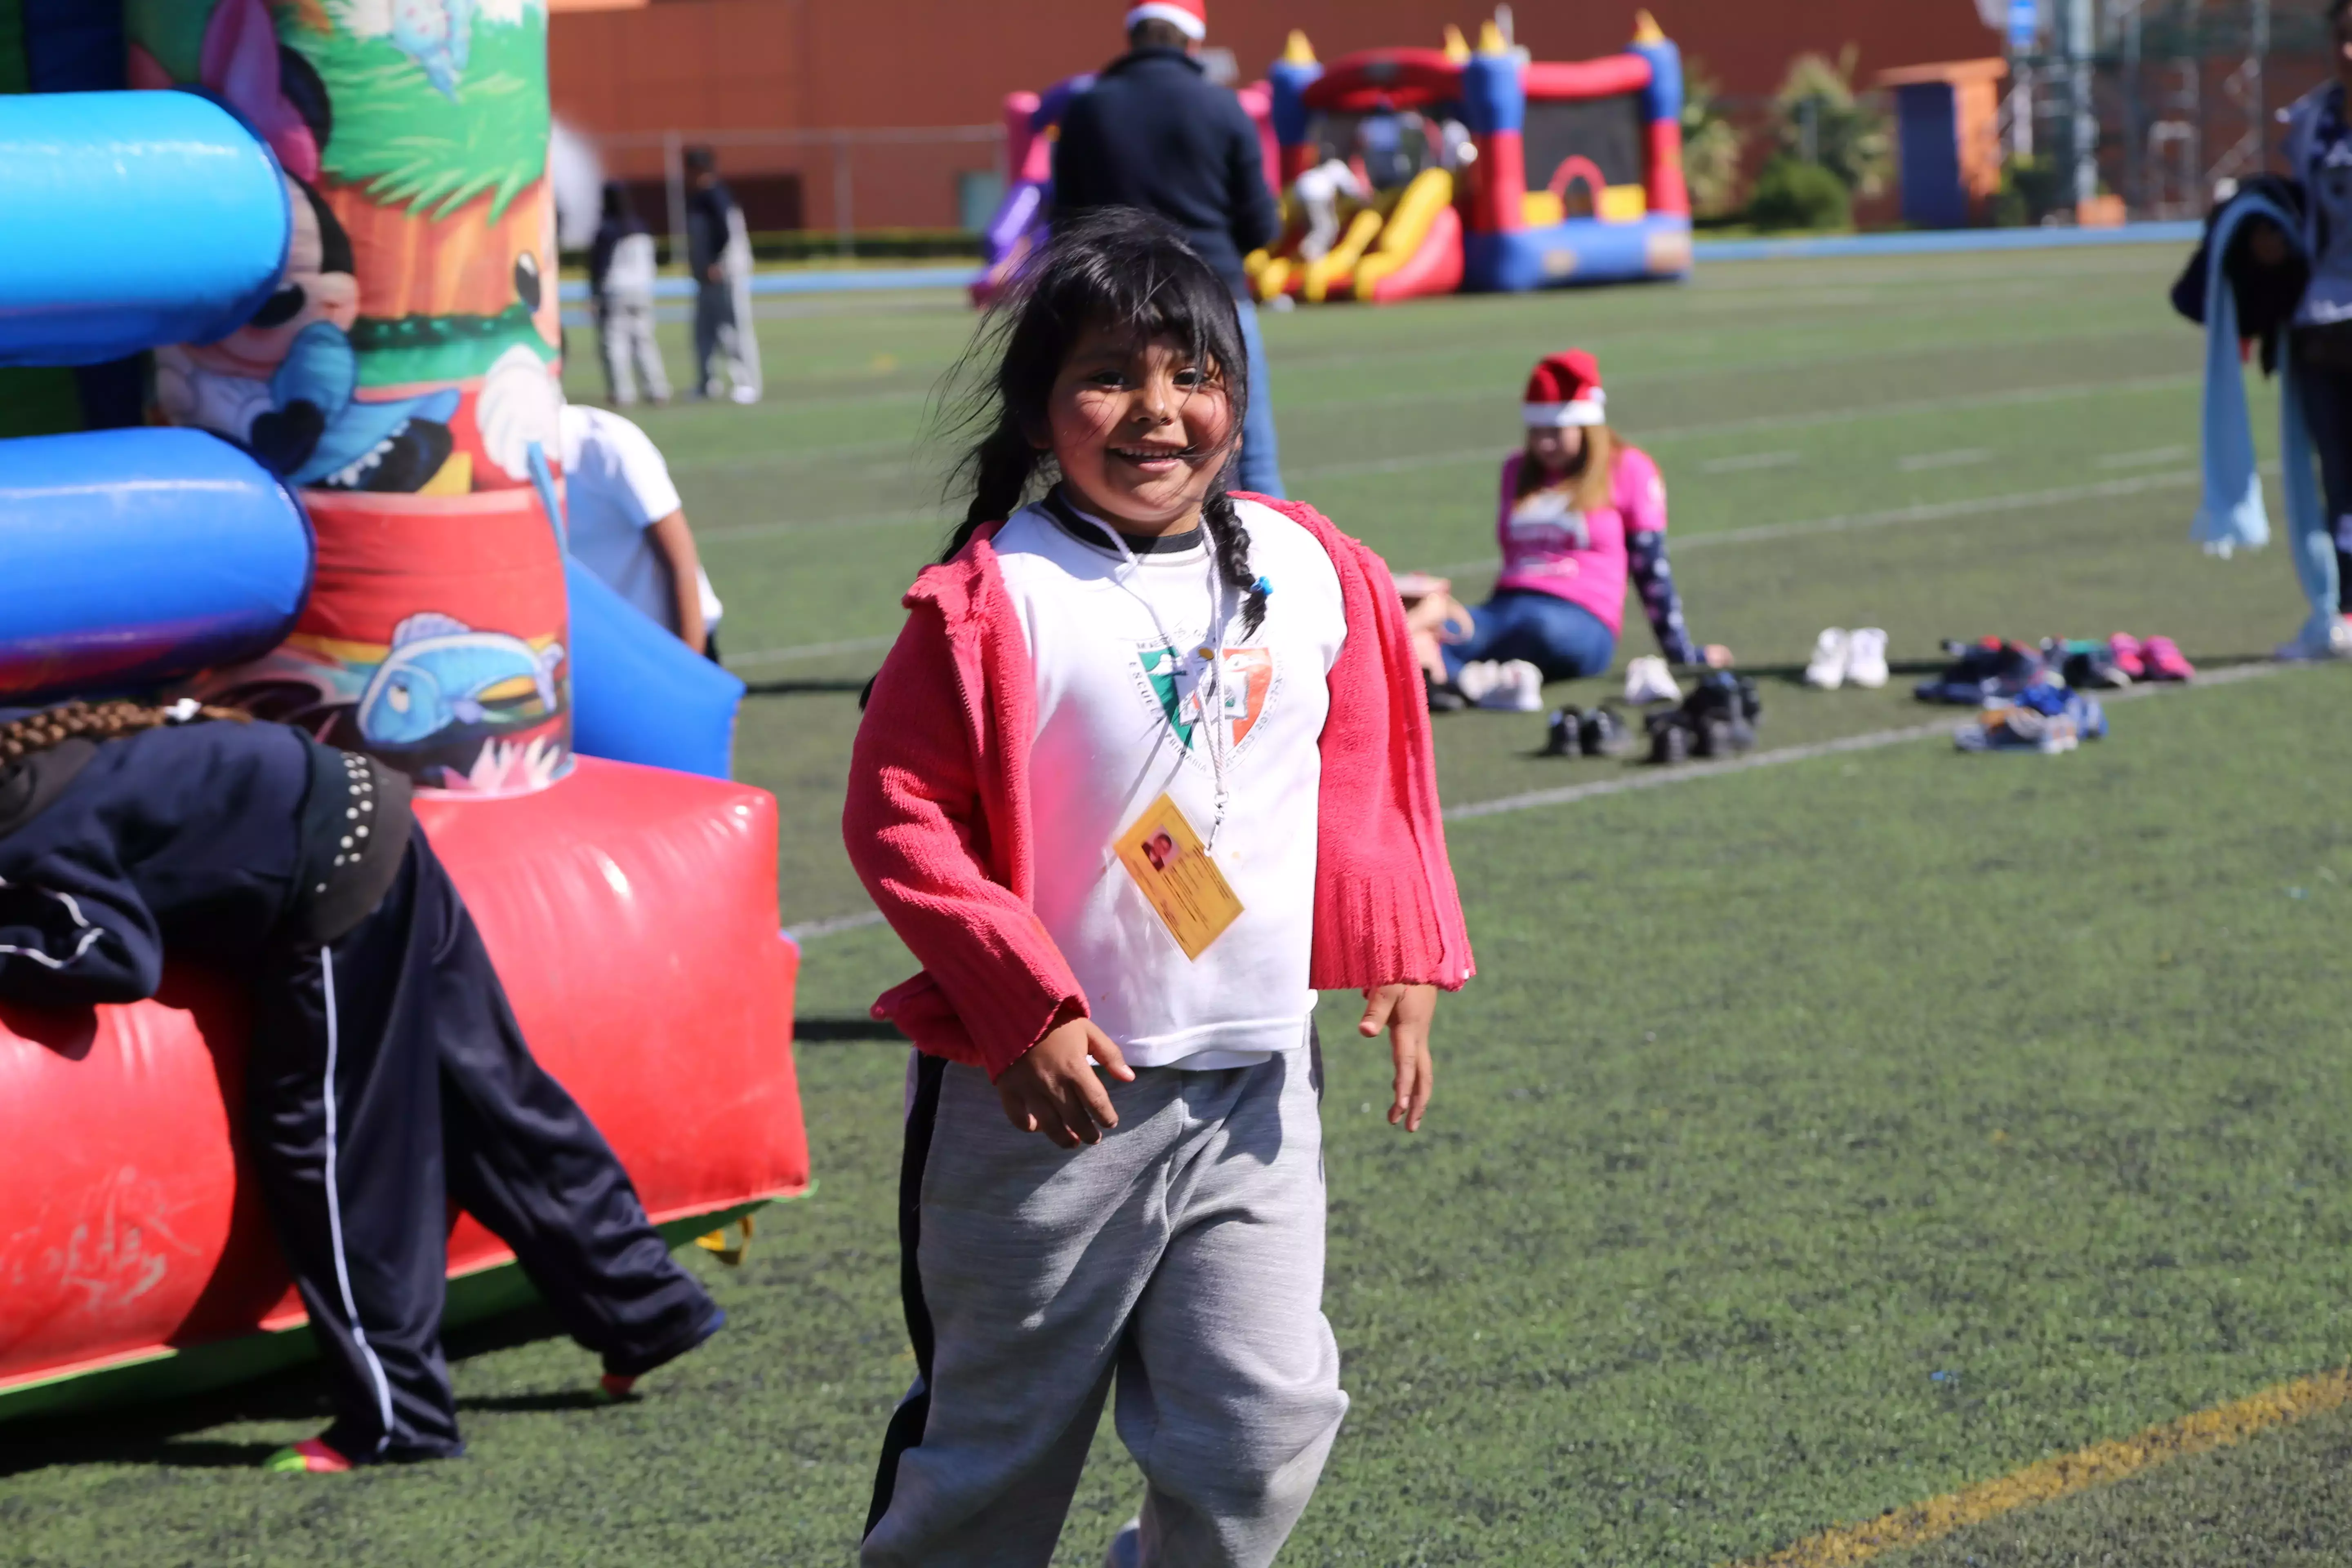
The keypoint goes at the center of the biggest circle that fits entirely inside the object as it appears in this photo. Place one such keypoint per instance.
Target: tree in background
(1821, 121)
(1711, 145)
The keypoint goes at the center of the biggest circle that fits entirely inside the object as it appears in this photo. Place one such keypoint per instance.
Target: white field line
(1844, 522)
(2147, 457)
(2015, 397)
(1659, 778)
(1876, 739)
(1751, 462)
(807, 650)
(1925, 511)
(818, 525)
(1491, 451)
(1958, 458)
(834, 925)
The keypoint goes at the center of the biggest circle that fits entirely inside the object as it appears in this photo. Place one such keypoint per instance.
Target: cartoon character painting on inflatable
(328, 226)
(1574, 174)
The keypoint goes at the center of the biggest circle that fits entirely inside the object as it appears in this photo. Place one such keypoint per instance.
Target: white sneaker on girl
(1518, 689)
(1648, 681)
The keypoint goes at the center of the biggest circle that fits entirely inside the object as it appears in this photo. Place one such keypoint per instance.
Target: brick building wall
(747, 66)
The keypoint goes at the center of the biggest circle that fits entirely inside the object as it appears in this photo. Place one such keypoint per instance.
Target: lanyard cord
(1213, 725)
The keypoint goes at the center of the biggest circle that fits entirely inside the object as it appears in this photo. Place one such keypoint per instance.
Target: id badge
(1177, 877)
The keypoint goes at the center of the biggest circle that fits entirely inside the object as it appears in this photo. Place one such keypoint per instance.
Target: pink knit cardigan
(938, 817)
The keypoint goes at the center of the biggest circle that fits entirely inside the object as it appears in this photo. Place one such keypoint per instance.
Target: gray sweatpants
(625, 338)
(1183, 1256)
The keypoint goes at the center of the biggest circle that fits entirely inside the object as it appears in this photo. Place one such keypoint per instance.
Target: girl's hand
(1053, 1089)
(1717, 656)
(1405, 1012)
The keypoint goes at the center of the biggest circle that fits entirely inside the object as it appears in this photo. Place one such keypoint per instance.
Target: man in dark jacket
(1154, 132)
(716, 252)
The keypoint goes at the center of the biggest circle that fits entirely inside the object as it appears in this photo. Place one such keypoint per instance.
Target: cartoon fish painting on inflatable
(441, 672)
(403, 374)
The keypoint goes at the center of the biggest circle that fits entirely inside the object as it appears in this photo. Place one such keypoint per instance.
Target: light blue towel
(2232, 515)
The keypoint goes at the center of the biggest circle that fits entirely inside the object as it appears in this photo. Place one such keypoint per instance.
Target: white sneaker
(744, 395)
(1865, 658)
(1518, 689)
(2313, 643)
(1830, 650)
(1477, 678)
(1648, 681)
(1127, 1546)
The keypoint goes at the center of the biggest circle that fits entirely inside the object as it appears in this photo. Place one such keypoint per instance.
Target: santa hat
(1566, 390)
(1190, 17)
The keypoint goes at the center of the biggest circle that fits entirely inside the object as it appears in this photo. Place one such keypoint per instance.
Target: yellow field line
(2049, 1479)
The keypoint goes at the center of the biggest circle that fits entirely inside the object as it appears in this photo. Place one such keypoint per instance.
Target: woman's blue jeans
(1563, 641)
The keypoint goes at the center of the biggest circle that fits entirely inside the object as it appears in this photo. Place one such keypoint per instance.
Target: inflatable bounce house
(1032, 120)
(278, 360)
(1572, 171)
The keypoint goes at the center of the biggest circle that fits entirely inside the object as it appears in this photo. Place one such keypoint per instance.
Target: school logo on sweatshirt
(1183, 687)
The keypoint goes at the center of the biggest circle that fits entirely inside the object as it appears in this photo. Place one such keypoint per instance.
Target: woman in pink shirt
(1580, 512)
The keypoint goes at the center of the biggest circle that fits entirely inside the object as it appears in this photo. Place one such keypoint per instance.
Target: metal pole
(2135, 115)
(844, 221)
(2256, 108)
(674, 179)
(2082, 149)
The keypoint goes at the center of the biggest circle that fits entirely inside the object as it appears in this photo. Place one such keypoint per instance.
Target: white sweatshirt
(1118, 724)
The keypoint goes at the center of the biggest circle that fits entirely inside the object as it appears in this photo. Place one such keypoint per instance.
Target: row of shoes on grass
(2047, 718)
(1717, 719)
(1993, 669)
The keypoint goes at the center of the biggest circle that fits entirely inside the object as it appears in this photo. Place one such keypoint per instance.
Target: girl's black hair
(1124, 270)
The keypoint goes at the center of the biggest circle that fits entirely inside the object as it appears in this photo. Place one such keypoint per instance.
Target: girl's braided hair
(1128, 270)
(98, 721)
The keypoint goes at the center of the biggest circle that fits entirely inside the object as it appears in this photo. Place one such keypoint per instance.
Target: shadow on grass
(840, 1031)
(802, 688)
(156, 1433)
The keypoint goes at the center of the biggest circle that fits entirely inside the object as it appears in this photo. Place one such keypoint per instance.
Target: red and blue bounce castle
(1577, 177)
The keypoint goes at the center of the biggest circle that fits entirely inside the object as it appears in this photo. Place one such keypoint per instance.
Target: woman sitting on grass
(1580, 511)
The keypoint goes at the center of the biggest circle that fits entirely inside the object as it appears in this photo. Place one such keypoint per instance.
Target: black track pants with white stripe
(388, 1078)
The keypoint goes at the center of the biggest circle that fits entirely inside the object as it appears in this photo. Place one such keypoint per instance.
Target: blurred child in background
(621, 284)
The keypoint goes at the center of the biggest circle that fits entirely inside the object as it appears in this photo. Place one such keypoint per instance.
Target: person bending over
(385, 1073)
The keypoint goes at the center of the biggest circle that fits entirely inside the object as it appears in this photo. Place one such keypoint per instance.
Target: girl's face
(1556, 449)
(2340, 34)
(1140, 430)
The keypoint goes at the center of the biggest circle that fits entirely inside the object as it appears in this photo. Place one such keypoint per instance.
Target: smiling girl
(1148, 766)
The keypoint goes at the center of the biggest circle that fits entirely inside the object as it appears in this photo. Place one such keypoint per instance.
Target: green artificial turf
(1813, 1141)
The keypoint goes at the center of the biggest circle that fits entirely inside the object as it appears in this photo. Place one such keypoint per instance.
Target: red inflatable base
(632, 914)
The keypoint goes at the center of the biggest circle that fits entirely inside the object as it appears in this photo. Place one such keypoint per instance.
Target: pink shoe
(2130, 654)
(2165, 661)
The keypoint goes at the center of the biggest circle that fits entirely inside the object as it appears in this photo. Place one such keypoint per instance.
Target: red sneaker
(310, 1456)
(2165, 661)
